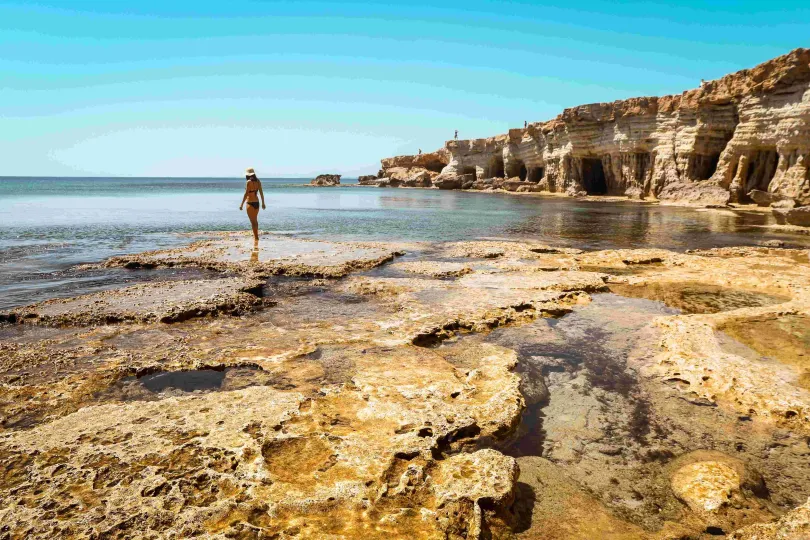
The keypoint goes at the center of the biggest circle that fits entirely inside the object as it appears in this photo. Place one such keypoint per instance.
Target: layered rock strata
(410, 171)
(746, 132)
(165, 302)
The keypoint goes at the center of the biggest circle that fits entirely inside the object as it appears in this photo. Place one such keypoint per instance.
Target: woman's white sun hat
(250, 172)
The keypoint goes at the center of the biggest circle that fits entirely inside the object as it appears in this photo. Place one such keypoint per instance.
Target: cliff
(748, 131)
(413, 171)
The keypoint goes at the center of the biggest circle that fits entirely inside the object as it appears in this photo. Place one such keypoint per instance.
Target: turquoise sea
(49, 225)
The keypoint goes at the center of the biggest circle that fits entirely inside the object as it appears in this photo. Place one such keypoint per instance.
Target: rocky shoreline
(485, 389)
(741, 139)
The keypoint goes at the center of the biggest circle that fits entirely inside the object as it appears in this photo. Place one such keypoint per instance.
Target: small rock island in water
(497, 388)
(325, 180)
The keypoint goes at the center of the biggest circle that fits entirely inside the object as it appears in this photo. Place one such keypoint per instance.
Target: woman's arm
(262, 194)
(244, 198)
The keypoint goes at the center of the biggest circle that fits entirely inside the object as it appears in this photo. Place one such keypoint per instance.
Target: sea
(49, 226)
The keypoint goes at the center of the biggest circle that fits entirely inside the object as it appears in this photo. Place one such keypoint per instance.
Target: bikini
(254, 204)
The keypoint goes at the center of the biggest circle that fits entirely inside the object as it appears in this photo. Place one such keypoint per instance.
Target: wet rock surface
(434, 269)
(790, 331)
(794, 525)
(272, 255)
(486, 389)
(166, 302)
(699, 297)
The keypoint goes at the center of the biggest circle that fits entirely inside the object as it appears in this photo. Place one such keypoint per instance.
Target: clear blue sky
(196, 88)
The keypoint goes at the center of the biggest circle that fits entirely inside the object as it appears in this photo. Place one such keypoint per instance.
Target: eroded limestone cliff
(748, 131)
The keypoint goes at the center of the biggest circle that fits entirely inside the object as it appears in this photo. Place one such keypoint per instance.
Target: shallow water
(790, 331)
(615, 432)
(186, 381)
(160, 384)
(48, 225)
(695, 297)
(594, 339)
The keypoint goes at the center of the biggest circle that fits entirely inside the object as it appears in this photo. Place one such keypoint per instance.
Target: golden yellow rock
(705, 486)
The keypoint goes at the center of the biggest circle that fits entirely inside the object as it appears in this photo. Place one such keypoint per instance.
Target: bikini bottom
(254, 204)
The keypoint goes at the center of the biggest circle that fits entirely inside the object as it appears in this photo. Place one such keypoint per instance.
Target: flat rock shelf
(481, 389)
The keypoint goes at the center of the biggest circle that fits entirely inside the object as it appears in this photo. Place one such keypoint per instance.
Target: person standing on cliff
(455, 137)
(253, 188)
(525, 124)
(420, 151)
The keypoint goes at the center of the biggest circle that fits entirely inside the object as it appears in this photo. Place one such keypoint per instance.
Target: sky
(297, 88)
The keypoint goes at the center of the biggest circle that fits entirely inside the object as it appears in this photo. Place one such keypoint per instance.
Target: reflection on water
(631, 225)
(49, 225)
(185, 381)
(161, 384)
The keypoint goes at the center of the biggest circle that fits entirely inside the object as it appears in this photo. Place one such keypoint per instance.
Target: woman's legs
(253, 214)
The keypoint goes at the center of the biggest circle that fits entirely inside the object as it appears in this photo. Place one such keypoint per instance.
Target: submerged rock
(720, 490)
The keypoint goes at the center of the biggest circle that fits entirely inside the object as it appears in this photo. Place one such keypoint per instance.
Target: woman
(252, 187)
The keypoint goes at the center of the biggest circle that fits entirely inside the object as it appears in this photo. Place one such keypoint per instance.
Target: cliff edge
(746, 132)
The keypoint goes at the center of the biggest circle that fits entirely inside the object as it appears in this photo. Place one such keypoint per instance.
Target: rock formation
(367, 180)
(794, 525)
(746, 132)
(326, 180)
(170, 301)
(273, 255)
(797, 216)
(481, 389)
(413, 171)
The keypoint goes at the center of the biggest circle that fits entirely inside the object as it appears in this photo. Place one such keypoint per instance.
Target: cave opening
(434, 166)
(703, 166)
(593, 176)
(516, 167)
(469, 170)
(536, 174)
(761, 170)
(496, 167)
